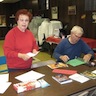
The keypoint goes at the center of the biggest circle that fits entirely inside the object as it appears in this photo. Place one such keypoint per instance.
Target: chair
(94, 49)
(3, 62)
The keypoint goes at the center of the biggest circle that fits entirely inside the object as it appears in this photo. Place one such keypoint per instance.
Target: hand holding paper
(32, 54)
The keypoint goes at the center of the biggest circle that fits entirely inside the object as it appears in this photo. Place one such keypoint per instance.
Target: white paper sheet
(94, 71)
(4, 86)
(30, 54)
(31, 75)
(4, 77)
(79, 78)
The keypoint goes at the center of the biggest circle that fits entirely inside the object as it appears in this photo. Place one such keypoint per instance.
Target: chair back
(3, 62)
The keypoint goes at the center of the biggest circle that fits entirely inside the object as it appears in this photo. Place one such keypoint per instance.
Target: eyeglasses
(22, 20)
(77, 35)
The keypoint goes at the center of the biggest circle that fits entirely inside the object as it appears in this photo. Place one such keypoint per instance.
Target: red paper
(62, 71)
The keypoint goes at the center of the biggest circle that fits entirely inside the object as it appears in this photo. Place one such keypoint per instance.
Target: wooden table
(55, 89)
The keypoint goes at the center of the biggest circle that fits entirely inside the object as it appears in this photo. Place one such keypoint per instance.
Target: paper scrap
(79, 78)
(4, 77)
(29, 76)
(4, 87)
(30, 54)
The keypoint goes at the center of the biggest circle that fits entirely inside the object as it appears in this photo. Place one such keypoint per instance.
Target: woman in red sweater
(19, 41)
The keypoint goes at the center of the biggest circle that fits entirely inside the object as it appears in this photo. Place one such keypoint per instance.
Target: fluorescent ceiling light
(1, 0)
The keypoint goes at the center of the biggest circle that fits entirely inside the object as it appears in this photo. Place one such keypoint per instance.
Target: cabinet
(3, 27)
(43, 6)
(12, 21)
(3, 32)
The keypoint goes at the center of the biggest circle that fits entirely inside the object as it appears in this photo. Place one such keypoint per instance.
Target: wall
(7, 10)
(78, 19)
(83, 17)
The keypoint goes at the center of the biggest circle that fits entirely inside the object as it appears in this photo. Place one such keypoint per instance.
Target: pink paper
(63, 71)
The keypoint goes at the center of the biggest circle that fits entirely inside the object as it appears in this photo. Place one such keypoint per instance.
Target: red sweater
(18, 42)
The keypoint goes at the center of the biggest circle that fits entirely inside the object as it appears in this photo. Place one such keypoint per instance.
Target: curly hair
(25, 12)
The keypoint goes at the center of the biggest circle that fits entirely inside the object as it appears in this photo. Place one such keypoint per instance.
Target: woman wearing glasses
(19, 41)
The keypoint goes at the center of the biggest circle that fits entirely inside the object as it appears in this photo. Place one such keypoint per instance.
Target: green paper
(76, 62)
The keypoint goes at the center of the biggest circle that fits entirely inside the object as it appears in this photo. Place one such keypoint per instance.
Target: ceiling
(10, 1)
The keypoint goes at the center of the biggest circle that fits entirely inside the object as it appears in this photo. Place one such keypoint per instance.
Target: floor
(42, 56)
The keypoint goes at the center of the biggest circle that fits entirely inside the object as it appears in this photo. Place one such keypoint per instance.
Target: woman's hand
(35, 51)
(23, 56)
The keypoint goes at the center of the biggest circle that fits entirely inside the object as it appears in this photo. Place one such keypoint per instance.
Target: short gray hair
(77, 29)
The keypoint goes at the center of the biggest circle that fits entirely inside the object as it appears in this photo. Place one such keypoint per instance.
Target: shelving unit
(12, 21)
